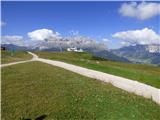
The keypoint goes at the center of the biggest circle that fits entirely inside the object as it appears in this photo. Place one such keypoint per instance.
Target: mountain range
(144, 54)
(148, 54)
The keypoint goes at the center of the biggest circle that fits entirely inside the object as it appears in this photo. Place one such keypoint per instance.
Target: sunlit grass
(33, 89)
(14, 56)
(144, 73)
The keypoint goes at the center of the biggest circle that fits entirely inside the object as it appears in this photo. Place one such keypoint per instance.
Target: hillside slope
(144, 73)
(14, 56)
(35, 89)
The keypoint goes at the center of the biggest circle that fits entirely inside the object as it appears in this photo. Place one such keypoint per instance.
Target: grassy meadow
(14, 56)
(144, 73)
(35, 89)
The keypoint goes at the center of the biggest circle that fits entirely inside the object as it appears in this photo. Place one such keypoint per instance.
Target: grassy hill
(33, 89)
(14, 56)
(144, 73)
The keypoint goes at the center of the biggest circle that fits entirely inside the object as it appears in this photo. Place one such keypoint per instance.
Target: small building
(74, 49)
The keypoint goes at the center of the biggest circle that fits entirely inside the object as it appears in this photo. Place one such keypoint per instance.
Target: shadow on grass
(42, 117)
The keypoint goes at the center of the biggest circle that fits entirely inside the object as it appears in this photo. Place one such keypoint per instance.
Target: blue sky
(97, 20)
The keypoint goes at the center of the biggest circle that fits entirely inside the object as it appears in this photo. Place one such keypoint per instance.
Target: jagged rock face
(148, 54)
(153, 48)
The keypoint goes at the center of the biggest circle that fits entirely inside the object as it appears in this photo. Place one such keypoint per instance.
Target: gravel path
(34, 58)
(131, 86)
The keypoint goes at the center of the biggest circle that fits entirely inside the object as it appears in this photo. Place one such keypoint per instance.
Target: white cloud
(123, 43)
(144, 36)
(46, 38)
(43, 34)
(15, 39)
(105, 40)
(3, 23)
(142, 11)
(74, 32)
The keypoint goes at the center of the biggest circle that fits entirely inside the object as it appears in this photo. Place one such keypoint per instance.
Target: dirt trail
(131, 86)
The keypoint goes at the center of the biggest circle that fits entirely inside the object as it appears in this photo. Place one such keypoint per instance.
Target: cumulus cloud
(144, 36)
(142, 11)
(16, 40)
(105, 40)
(124, 43)
(43, 34)
(46, 39)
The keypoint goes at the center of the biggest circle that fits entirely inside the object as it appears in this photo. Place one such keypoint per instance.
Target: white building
(74, 49)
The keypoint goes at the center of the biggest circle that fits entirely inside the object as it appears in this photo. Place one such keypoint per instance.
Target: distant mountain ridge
(14, 47)
(107, 55)
(148, 54)
(136, 54)
(99, 53)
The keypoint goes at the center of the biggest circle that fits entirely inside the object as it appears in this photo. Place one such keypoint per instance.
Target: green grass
(9, 56)
(144, 73)
(33, 89)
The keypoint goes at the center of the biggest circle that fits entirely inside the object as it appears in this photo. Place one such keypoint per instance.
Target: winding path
(131, 86)
(34, 58)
